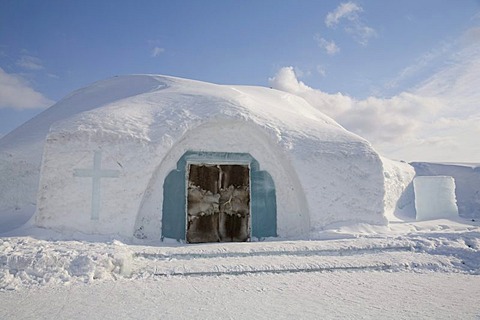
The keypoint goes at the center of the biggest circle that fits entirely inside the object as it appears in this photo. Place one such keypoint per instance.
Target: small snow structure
(467, 184)
(156, 157)
(435, 197)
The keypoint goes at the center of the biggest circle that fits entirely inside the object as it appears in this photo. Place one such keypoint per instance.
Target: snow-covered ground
(330, 295)
(412, 270)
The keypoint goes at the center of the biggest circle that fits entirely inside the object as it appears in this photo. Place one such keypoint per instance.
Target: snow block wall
(435, 197)
(70, 202)
(467, 184)
(104, 168)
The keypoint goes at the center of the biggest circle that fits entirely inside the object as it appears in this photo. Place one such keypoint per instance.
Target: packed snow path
(291, 258)
(27, 262)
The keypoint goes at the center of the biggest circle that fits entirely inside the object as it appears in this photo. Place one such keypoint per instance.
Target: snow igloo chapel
(156, 157)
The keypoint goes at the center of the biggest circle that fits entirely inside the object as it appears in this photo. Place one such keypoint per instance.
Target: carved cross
(96, 173)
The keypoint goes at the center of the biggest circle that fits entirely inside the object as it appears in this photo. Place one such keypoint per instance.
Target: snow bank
(27, 262)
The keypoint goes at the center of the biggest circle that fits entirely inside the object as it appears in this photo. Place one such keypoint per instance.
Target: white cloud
(30, 63)
(389, 120)
(458, 81)
(452, 134)
(361, 33)
(302, 73)
(376, 119)
(348, 14)
(15, 92)
(421, 64)
(332, 105)
(329, 46)
(438, 120)
(348, 10)
(157, 51)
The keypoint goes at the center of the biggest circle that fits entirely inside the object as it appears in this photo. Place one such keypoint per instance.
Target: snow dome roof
(139, 106)
(144, 106)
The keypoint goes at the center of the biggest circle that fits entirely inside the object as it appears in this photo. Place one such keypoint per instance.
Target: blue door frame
(263, 201)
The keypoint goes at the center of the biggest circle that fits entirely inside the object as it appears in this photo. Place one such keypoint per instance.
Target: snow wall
(435, 197)
(467, 184)
(322, 173)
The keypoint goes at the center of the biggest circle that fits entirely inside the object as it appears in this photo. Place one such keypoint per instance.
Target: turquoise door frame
(263, 201)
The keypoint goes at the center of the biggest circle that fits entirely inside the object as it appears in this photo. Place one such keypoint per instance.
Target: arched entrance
(218, 196)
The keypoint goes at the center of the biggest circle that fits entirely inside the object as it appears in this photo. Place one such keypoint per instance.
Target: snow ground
(431, 271)
(327, 295)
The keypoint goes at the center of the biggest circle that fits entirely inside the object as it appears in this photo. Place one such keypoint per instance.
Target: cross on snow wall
(261, 207)
(96, 173)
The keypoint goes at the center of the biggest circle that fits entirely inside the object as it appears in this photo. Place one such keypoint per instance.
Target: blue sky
(403, 74)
